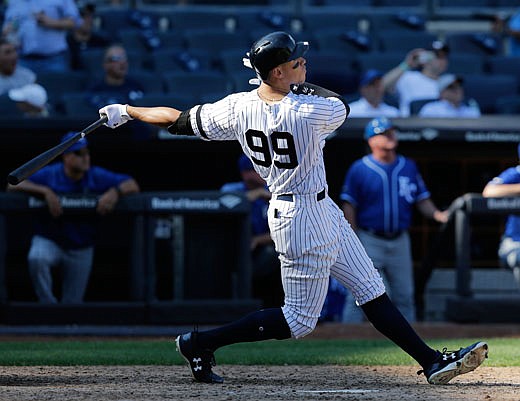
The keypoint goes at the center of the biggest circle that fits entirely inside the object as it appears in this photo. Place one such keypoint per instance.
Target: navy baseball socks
(197, 348)
(438, 367)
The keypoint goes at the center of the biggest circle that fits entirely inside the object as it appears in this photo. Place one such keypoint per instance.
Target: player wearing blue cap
(68, 241)
(379, 193)
(508, 184)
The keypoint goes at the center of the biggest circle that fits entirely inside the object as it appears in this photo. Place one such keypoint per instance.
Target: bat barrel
(25, 170)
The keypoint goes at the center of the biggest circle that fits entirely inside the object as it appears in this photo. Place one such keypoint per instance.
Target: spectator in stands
(68, 241)
(31, 100)
(510, 27)
(266, 266)
(40, 27)
(84, 37)
(508, 184)
(451, 103)
(416, 77)
(12, 75)
(378, 196)
(115, 86)
(371, 103)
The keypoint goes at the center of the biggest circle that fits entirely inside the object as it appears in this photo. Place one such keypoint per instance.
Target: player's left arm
(429, 210)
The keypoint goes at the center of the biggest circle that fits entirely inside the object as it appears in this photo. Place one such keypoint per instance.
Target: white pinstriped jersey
(284, 140)
(313, 239)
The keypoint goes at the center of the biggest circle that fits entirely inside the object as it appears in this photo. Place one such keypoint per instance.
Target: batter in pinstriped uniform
(282, 127)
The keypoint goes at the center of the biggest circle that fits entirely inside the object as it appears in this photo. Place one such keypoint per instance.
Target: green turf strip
(503, 352)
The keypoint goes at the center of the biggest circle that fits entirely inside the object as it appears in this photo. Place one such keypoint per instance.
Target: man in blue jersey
(379, 193)
(68, 240)
(266, 266)
(508, 184)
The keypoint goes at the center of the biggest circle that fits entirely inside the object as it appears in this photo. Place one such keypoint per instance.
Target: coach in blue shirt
(64, 240)
(378, 196)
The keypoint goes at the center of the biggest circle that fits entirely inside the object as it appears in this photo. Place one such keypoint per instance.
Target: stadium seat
(474, 43)
(215, 41)
(399, 41)
(151, 82)
(9, 108)
(316, 21)
(252, 20)
(197, 83)
(231, 61)
(508, 104)
(485, 89)
(181, 20)
(241, 79)
(416, 105)
(405, 21)
(466, 63)
(77, 104)
(180, 60)
(333, 71)
(504, 65)
(58, 82)
(343, 40)
(178, 101)
(380, 61)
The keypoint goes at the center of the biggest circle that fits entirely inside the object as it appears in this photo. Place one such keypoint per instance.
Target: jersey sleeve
(214, 121)
(326, 114)
(508, 176)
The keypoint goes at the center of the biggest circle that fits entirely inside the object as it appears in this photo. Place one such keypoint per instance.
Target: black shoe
(453, 363)
(199, 360)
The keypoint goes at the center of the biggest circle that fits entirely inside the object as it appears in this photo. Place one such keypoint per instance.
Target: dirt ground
(158, 383)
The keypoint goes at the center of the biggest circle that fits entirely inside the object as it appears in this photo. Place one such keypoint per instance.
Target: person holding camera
(416, 77)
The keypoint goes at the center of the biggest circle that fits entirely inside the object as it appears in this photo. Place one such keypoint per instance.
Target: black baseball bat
(25, 170)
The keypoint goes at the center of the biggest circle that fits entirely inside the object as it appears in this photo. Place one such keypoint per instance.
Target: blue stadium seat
(180, 60)
(178, 101)
(197, 83)
(318, 20)
(485, 89)
(416, 105)
(505, 65)
(380, 61)
(182, 19)
(508, 104)
(466, 63)
(405, 21)
(343, 40)
(230, 61)
(474, 43)
(77, 104)
(215, 41)
(402, 41)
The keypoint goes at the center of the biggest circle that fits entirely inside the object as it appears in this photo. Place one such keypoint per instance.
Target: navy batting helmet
(274, 49)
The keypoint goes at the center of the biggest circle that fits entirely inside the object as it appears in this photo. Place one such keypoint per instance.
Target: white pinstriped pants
(314, 240)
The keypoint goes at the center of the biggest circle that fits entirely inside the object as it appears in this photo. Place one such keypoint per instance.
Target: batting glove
(116, 113)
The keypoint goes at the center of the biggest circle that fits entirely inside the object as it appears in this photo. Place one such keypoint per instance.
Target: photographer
(416, 77)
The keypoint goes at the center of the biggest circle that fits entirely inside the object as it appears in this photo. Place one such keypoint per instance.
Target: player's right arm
(119, 114)
(506, 184)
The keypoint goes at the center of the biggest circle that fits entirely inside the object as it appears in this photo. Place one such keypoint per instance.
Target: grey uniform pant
(393, 259)
(75, 264)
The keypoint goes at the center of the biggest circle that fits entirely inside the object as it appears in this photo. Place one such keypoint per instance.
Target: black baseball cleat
(453, 363)
(199, 360)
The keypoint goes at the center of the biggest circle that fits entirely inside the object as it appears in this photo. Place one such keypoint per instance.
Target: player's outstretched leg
(453, 363)
(197, 348)
(199, 360)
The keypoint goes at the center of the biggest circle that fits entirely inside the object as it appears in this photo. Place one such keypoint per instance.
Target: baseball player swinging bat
(25, 170)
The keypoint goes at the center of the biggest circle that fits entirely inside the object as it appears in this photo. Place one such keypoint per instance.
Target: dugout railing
(201, 239)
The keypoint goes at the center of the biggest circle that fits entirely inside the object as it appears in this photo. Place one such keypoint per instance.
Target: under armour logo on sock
(196, 361)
